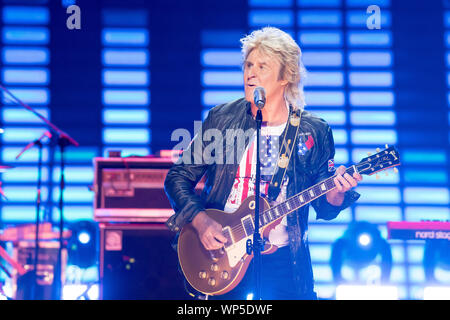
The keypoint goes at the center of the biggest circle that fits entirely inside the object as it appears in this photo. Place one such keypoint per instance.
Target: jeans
(276, 280)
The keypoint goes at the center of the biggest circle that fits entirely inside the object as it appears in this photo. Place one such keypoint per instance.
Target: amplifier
(23, 253)
(138, 262)
(131, 189)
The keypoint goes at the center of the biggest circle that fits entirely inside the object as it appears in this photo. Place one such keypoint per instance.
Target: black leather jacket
(303, 171)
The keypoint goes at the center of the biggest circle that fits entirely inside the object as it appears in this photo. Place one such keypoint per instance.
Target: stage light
(80, 292)
(436, 258)
(369, 292)
(84, 237)
(360, 247)
(82, 248)
(436, 293)
(364, 239)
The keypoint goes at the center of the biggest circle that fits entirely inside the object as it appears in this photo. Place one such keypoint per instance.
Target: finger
(214, 243)
(341, 170)
(357, 176)
(346, 185)
(220, 237)
(206, 243)
(338, 184)
(217, 234)
(350, 180)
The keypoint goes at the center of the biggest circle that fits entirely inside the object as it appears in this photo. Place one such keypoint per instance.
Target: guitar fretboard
(278, 211)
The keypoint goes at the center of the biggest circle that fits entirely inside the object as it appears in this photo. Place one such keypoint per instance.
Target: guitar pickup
(247, 223)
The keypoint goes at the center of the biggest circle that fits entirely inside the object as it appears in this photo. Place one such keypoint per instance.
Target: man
(272, 60)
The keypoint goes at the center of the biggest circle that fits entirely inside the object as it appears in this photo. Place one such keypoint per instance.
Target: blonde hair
(280, 45)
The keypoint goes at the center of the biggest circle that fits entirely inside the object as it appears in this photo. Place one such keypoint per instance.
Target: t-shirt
(244, 182)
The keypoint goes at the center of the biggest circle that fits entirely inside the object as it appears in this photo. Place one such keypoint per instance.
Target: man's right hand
(209, 231)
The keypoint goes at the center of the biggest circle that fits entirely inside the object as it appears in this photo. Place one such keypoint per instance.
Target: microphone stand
(62, 139)
(38, 143)
(259, 97)
(257, 240)
(63, 142)
(38, 210)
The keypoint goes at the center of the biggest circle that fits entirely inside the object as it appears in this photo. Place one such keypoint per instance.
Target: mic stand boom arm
(62, 139)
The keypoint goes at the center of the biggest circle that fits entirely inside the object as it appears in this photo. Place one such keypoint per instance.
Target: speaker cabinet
(138, 262)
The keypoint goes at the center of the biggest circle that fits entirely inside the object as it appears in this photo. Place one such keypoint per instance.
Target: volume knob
(212, 282)
(225, 275)
(214, 267)
(202, 275)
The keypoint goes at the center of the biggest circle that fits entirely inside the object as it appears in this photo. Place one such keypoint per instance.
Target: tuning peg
(378, 150)
(395, 170)
(387, 147)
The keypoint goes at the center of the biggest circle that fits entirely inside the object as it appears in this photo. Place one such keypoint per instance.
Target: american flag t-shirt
(244, 182)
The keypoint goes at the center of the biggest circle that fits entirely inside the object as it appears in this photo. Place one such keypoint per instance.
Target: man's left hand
(343, 182)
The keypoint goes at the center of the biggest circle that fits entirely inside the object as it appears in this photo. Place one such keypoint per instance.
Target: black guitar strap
(285, 153)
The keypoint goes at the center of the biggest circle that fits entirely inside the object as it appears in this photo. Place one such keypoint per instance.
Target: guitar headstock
(382, 160)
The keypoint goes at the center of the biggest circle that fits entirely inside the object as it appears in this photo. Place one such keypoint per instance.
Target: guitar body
(216, 272)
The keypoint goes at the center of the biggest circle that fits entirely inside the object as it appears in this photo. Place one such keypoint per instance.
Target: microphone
(259, 97)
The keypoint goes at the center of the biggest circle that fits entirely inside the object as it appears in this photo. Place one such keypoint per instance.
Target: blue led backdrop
(138, 70)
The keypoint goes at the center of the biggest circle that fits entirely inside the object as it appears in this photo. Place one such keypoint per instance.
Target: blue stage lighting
(321, 38)
(82, 248)
(365, 240)
(84, 237)
(320, 18)
(279, 18)
(358, 248)
(25, 15)
(437, 256)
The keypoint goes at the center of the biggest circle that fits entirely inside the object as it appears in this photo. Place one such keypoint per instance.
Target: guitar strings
(238, 231)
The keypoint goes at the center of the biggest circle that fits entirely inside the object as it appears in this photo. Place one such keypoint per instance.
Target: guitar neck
(299, 200)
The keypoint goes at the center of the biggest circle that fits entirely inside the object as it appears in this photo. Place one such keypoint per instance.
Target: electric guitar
(215, 272)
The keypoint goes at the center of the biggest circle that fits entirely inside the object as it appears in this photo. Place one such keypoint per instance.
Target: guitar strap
(285, 153)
